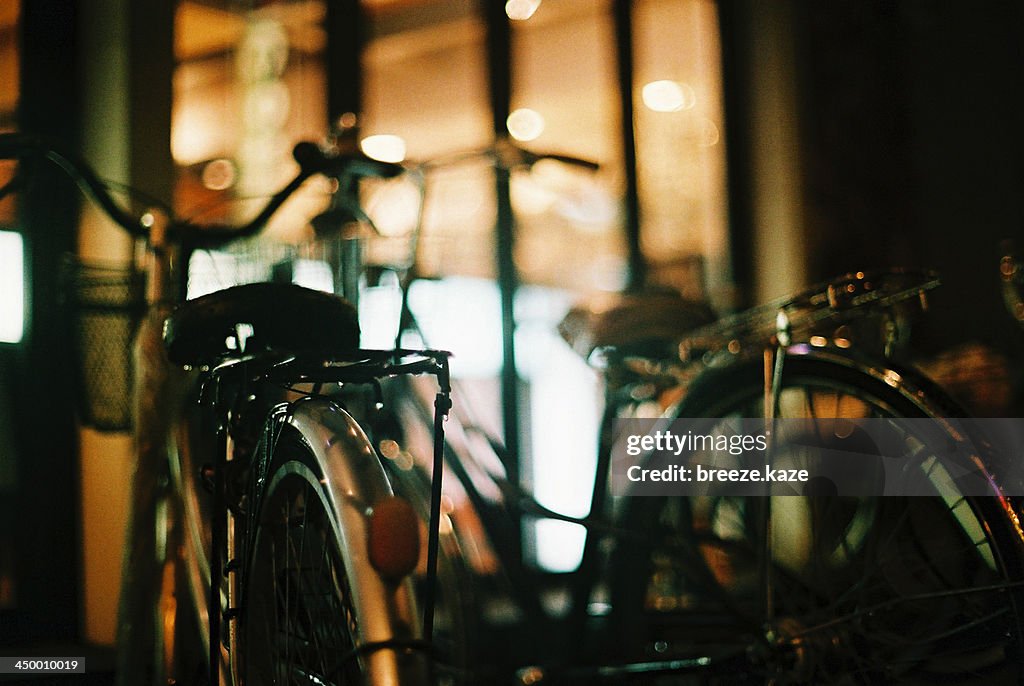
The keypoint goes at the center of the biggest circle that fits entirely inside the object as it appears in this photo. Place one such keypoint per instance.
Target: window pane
(249, 84)
(425, 82)
(680, 150)
(12, 287)
(564, 70)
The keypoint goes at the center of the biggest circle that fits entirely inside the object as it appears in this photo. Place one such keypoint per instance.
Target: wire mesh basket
(105, 304)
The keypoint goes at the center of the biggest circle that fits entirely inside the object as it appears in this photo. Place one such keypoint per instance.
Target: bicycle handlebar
(342, 162)
(16, 145)
(508, 155)
(336, 162)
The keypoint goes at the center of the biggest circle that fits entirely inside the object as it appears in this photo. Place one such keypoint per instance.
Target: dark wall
(913, 136)
(38, 371)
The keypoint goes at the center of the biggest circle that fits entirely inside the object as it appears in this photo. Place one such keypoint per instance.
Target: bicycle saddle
(260, 316)
(642, 323)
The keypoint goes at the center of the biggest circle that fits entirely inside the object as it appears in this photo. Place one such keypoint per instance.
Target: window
(12, 287)
(426, 82)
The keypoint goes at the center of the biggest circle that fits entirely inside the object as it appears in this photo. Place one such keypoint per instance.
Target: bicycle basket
(105, 304)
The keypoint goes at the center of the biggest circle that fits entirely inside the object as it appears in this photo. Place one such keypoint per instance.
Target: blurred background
(747, 150)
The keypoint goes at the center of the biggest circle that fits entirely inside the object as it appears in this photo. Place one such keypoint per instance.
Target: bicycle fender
(355, 482)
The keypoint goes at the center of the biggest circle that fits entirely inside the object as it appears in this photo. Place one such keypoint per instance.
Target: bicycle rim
(298, 623)
(834, 589)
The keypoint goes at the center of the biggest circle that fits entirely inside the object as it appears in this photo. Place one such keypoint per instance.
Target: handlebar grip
(314, 159)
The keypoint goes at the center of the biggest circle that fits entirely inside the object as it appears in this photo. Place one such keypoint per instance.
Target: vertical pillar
(499, 72)
(126, 76)
(780, 264)
(43, 423)
(765, 175)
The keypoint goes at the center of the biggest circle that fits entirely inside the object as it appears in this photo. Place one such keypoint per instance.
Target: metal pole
(500, 87)
(345, 25)
(623, 19)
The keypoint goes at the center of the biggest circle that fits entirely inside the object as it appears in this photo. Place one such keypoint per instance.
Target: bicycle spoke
(297, 612)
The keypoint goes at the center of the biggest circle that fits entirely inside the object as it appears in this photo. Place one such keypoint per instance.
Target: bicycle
(264, 501)
(860, 588)
(714, 588)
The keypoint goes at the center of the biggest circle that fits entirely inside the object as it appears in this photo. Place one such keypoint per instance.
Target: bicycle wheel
(313, 610)
(823, 588)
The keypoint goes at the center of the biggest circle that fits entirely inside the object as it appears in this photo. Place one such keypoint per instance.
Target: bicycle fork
(774, 359)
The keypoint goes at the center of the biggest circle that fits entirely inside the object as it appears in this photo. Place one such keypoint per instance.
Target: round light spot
(668, 96)
(525, 124)
(384, 147)
(219, 174)
(521, 10)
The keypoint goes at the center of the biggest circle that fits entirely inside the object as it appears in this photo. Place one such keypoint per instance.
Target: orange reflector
(394, 538)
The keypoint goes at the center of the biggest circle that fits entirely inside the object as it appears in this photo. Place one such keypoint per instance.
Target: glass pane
(8, 63)
(680, 150)
(425, 82)
(249, 84)
(12, 287)
(569, 243)
(564, 79)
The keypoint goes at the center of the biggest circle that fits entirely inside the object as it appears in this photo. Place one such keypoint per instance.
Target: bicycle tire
(925, 591)
(312, 609)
